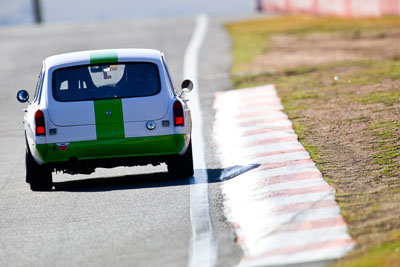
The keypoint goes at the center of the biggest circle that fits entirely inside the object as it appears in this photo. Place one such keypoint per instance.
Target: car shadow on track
(126, 182)
(143, 181)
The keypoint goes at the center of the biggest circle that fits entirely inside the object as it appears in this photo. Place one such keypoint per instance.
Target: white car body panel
(145, 108)
(74, 121)
(72, 113)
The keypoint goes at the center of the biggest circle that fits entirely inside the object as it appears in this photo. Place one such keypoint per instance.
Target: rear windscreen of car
(105, 81)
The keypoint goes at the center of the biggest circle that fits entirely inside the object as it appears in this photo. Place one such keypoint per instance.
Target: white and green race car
(105, 108)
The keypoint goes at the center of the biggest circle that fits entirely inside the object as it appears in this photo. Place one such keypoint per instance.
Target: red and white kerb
(283, 212)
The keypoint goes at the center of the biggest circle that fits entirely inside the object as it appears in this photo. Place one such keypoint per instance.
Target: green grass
(303, 87)
(363, 73)
(387, 254)
(387, 147)
(303, 84)
(358, 119)
(376, 72)
(251, 38)
(389, 98)
(302, 130)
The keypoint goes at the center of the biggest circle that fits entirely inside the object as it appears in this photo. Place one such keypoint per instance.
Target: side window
(169, 76)
(39, 87)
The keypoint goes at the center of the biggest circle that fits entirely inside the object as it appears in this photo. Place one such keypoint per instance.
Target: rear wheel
(38, 176)
(182, 166)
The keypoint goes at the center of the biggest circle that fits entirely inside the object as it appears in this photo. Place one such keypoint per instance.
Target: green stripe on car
(108, 113)
(109, 119)
(103, 57)
(113, 148)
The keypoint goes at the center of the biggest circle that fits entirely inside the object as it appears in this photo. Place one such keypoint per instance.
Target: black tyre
(38, 176)
(182, 166)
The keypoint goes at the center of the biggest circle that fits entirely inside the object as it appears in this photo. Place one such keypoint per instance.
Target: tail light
(178, 114)
(39, 121)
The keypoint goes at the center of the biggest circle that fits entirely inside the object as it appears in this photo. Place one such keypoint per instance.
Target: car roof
(102, 56)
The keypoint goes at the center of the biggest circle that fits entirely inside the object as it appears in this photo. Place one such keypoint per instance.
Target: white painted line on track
(203, 249)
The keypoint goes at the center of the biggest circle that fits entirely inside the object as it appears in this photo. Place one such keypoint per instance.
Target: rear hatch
(107, 95)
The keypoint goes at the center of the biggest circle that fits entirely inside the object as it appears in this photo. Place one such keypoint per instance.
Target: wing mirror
(187, 86)
(22, 96)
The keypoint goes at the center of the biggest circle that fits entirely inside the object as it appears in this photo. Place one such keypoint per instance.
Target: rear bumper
(108, 149)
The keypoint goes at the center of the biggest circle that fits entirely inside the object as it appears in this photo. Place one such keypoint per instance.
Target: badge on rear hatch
(63, 146)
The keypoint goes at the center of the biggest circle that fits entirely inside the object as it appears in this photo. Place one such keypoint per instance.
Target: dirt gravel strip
(283, 211)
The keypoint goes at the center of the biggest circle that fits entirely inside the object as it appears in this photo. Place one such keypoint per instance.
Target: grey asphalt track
(20, 11)
(117, 217)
